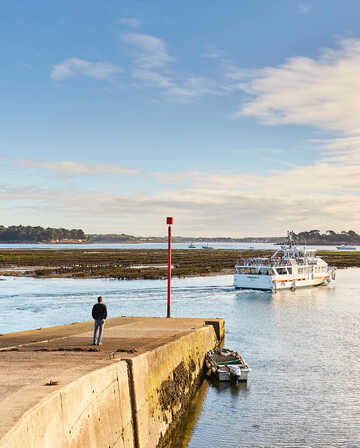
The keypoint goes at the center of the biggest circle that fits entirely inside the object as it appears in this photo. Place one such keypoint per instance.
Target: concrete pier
(58, 391)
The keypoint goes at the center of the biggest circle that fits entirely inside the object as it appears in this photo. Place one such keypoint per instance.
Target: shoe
(93, 343)
(99, 343)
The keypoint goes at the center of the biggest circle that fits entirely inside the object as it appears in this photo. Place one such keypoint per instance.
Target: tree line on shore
(39, 234)
(330, 236)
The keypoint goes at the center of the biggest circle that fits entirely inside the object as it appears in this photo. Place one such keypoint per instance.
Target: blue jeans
(98, 327)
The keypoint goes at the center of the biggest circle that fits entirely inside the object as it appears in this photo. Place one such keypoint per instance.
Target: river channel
(303, 348)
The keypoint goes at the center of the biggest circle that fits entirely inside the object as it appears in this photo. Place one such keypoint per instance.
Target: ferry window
(300, 270)
(289, 270)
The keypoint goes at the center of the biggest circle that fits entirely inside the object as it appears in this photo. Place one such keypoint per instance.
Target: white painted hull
(251, 281)
(224, 374)
(276, 283)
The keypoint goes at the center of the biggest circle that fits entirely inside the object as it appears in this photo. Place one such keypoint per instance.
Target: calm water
(152, 246)
(303, 347)
(139, 246)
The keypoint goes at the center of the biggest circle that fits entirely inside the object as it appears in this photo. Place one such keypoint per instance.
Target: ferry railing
(276, 263)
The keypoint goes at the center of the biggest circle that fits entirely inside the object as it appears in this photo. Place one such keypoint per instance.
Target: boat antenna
(291, 238)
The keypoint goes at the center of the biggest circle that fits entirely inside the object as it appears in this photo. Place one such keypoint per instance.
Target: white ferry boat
(290, 267)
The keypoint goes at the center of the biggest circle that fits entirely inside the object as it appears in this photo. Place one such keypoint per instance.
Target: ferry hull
(270, 283)
(247, 281)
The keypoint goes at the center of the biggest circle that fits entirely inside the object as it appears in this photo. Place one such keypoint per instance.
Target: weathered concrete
(164, 381)
(92, 411)
(126, 394)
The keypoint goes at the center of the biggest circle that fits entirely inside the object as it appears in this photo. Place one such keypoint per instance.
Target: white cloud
(320, 178)
(128, 21)
(151, 51)
(317, 195)
(197, 211)
(69, 168)
(322, 92)
(76, 67)
(154, 68)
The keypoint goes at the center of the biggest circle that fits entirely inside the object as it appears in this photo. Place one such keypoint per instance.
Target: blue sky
(237, 118)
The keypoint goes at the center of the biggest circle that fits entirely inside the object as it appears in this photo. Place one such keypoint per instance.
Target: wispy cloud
(153, 67)
(151, 52)
(80, 67)
(129, 21)
(319, 92)
(198, 211)
(69, 168)
(317, 195)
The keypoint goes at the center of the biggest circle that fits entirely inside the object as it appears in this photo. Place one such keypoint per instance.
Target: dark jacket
(99, 311)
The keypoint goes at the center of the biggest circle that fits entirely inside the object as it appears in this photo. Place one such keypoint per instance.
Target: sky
(237, 118)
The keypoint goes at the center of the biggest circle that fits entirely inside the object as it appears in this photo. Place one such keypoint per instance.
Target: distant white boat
(290, 267)
(192, 246)
(345, 247)
(206, 246)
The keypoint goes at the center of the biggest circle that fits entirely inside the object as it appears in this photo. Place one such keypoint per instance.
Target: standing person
(99, 314)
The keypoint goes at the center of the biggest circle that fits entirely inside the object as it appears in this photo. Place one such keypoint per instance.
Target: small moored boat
(345, 247)
(226, 365)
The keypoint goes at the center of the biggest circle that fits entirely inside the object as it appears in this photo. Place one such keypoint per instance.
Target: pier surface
(35, 364)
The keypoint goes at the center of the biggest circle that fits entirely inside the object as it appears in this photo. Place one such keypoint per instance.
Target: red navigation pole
(169, 222)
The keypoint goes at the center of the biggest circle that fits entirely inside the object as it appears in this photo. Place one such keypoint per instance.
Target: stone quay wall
(133, 403)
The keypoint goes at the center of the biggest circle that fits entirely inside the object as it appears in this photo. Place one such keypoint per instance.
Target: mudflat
(137, 263)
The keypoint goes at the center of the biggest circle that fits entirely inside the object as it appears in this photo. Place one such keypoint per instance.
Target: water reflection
(181, 435)
(184, 430)
(225, 387)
